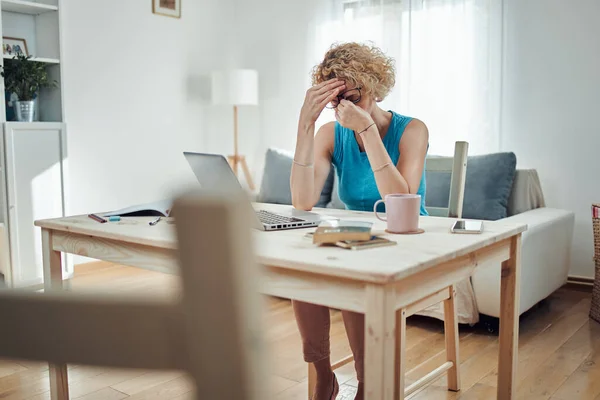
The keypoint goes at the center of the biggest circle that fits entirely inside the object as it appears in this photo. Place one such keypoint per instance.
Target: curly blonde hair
(362, 65)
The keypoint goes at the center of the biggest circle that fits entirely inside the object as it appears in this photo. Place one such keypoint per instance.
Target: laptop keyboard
(270, 218)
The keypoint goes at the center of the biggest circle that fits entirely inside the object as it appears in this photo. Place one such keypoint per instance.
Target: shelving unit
(39, 59)
(26, 7)
(33, 156)
(38, 23)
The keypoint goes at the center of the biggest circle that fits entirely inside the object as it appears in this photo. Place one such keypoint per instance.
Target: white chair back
(457, 167)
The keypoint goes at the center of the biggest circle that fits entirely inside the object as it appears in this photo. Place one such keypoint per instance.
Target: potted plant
(25, 78)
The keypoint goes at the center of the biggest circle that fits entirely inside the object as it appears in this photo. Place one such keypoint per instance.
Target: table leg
(509, 320)
(53, 279)
(451, 334)
(380, 341)
(400, 366)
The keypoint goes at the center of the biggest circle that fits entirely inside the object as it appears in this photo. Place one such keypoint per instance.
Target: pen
(154, 222)
(97, 218)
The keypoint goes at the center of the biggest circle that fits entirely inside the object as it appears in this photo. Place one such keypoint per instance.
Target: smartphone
(462, 226)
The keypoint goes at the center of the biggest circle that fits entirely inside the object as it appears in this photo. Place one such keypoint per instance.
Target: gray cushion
(335, 198)
(328, 189)
(488, 186)
(275, 185)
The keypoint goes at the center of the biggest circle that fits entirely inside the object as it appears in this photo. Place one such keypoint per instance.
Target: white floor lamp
(236, 87)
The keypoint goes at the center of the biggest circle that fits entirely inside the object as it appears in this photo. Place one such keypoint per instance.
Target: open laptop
(214, 174)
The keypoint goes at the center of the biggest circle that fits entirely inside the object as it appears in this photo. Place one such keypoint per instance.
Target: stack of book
(353, 235)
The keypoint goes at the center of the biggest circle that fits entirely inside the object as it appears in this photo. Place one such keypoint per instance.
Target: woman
(375, 153)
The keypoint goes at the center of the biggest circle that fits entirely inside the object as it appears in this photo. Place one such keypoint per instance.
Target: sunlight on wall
(45, 203)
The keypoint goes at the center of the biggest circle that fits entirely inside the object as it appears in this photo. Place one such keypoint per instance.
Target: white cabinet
(34, 166)
(32, 155)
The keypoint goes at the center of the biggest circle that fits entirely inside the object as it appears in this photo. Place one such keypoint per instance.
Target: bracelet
(302, 165)
(382, 167)
(366, 128)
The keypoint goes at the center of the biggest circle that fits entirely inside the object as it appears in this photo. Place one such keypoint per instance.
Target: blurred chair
(213, 332)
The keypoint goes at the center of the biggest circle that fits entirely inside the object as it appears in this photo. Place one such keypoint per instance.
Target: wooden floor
(559, 353)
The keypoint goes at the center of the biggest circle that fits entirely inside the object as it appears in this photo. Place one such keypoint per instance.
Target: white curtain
(448, 62)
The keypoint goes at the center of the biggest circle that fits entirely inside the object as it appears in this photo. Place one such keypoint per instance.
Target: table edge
(377, 278)
(48, 224)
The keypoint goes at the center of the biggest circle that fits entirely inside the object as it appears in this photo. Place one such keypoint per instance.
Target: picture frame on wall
(169, 8)
(12, 46)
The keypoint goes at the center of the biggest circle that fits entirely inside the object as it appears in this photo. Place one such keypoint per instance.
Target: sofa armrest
(545, 260)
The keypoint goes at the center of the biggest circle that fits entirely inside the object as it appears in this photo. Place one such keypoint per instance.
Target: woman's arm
(312, 157)
(307, 182)
(405, 176)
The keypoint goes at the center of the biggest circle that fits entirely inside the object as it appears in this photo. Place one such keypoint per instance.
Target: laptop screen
(213, 172)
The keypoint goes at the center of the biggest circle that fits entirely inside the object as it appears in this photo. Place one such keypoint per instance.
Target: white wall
(136, 96)
(551, 105)
(273, 37)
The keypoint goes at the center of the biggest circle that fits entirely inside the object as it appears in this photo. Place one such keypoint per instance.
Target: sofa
(495, 189)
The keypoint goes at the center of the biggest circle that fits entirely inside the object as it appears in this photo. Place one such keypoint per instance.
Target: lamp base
(236, 160)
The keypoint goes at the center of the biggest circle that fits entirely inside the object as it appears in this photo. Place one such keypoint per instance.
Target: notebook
(160, 208)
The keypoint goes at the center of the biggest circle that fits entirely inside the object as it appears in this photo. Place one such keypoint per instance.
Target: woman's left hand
(352, 117)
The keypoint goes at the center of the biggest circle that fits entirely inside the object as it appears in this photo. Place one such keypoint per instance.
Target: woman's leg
(314, 323)
(355, 330)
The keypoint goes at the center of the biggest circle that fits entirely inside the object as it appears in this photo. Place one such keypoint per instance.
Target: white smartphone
(462, 226)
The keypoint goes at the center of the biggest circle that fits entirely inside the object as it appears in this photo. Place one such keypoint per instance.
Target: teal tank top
(356, 181)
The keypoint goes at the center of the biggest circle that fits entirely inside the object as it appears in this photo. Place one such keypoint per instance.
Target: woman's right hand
(317, 98)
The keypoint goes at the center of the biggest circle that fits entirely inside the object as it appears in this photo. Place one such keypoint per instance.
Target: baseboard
(585, 280)
(29, 284)
(582, 283)
(37, 284)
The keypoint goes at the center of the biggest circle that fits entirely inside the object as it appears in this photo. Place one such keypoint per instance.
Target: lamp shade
(235, 87)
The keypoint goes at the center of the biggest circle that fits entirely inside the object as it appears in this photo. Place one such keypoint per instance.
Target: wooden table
(377, 282)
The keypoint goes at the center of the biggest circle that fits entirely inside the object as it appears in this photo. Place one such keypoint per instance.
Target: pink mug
(402, 212)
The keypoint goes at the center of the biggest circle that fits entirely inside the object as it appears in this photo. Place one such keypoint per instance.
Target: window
(448, 62)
